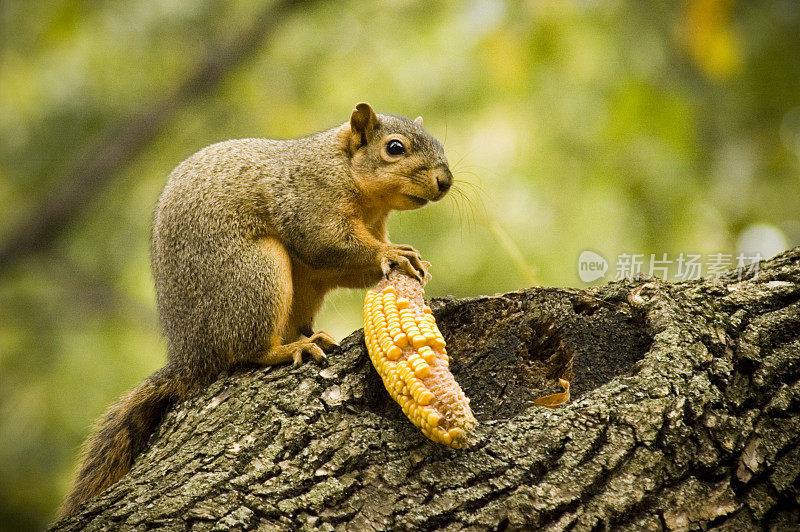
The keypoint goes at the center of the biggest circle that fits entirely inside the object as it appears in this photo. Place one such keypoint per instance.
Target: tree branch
(686, 414)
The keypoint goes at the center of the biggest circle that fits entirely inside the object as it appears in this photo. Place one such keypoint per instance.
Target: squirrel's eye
(395, 147)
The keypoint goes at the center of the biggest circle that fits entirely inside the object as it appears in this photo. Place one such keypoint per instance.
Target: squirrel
(248, 237)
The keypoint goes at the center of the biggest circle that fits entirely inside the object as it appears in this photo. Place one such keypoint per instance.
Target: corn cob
(408, 350)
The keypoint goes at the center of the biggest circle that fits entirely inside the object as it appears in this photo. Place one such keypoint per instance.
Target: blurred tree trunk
(122, 142)
(684, 415)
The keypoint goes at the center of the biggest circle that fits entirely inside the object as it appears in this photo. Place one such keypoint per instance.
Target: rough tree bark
(685, 415)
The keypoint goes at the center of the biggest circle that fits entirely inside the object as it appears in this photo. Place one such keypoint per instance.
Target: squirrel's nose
(445, 180)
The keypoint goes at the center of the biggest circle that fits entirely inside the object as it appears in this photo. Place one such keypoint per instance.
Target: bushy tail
(122, 433)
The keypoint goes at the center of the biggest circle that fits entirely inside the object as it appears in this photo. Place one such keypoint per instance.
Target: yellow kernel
(456, 433)
(411, 330)
(422, 371)
(394, 352)
(418, 341)
(429, 336)
(402, 302)
(395, 332)
(434, 418)
(412, 359)
(426, 397)
(416, 395)
(427, 354)
(401, 340)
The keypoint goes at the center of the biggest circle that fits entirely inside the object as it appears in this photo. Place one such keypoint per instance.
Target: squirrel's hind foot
(316, 345)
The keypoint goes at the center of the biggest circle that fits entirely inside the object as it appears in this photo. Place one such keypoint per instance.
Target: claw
(315, 351)
(406, 259)
(386, 268)
(294, 351)
(427, 266)
(323, 339)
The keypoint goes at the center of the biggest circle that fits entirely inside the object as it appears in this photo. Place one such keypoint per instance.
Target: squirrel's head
(396, 163)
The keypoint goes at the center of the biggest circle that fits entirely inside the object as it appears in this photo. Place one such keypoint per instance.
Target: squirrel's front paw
(407, 259)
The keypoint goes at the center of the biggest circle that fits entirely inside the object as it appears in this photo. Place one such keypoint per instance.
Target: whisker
(455, 200)
(463, 200)
(475, 193)
(461, 159)
(460, 216)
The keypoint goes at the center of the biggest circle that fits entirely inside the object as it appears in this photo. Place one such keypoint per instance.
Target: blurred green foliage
(616, 126)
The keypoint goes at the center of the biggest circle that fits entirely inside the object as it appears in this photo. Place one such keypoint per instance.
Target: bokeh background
(615, 126)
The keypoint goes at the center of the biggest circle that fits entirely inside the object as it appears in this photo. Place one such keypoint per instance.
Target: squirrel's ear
(363, 122)
(418, 121)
